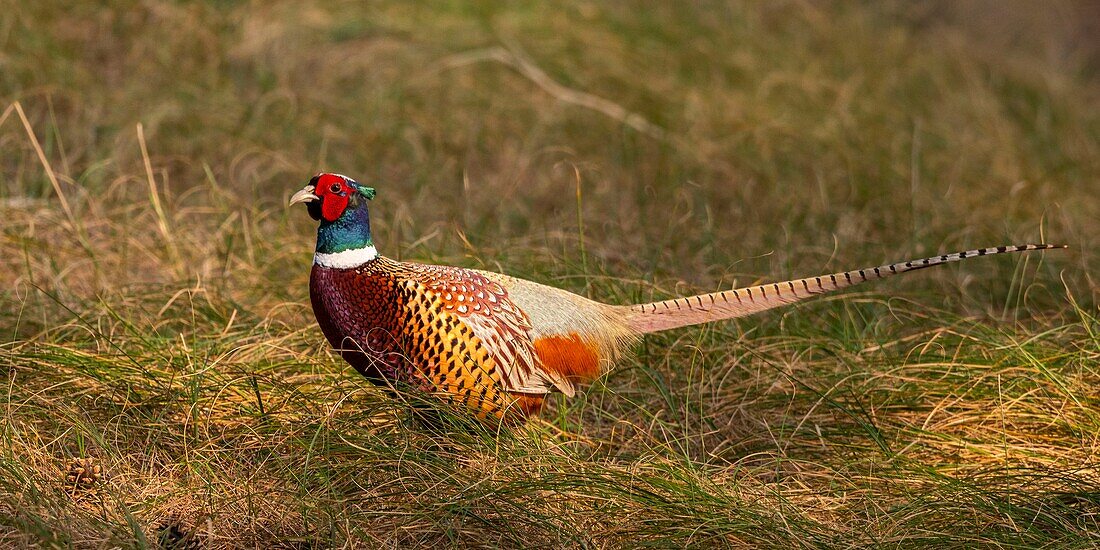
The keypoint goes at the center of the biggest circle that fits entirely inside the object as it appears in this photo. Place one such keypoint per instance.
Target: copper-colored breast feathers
(396, 329)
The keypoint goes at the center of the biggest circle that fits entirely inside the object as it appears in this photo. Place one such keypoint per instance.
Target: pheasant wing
(503, 328)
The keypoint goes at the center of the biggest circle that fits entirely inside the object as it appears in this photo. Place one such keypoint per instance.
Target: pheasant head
(339, 204)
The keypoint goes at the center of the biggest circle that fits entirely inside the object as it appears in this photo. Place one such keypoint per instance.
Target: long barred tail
(729, 304)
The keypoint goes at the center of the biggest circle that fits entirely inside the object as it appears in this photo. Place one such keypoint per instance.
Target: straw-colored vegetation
(155, 316)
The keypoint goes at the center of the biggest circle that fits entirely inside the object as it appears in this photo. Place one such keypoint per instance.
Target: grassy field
(154, 313)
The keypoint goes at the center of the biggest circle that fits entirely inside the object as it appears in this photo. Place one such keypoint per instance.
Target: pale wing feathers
(507, 335)
(729, 304)
(504, 329)
(556, 312)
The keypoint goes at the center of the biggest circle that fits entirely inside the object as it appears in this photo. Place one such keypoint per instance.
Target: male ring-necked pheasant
(494, 343)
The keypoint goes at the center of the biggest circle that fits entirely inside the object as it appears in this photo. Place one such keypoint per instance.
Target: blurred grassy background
(156, 316)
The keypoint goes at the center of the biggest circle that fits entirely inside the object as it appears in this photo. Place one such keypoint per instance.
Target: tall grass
(155, 315)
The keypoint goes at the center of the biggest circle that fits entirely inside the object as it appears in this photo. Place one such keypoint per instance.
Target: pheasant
(495, 344)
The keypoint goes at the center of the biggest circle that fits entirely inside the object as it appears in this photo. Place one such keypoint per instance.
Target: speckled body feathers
(459, 334)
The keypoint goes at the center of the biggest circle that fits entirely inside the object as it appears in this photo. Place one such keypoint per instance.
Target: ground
(155, 316)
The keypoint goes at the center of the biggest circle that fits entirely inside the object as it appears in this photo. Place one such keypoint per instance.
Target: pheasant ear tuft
(367, 192)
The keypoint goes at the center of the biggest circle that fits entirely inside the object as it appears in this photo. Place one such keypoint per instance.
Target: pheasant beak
(305, 195)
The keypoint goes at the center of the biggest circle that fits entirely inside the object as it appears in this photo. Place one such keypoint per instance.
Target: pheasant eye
(335, 188)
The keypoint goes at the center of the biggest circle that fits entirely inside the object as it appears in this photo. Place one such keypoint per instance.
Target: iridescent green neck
(350, 231)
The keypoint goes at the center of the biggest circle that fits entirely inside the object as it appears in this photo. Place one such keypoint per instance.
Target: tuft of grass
(155, 318)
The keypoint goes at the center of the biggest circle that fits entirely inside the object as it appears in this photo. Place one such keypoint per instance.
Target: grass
(155, 313)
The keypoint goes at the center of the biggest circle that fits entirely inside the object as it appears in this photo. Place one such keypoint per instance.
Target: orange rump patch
(569, 356)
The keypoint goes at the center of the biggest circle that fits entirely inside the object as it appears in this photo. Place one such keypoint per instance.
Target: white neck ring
(346, 259)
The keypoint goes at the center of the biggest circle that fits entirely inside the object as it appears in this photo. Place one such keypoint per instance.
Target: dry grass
(156, 316)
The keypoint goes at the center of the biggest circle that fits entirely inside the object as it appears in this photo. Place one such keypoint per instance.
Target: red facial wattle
(334, 192)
